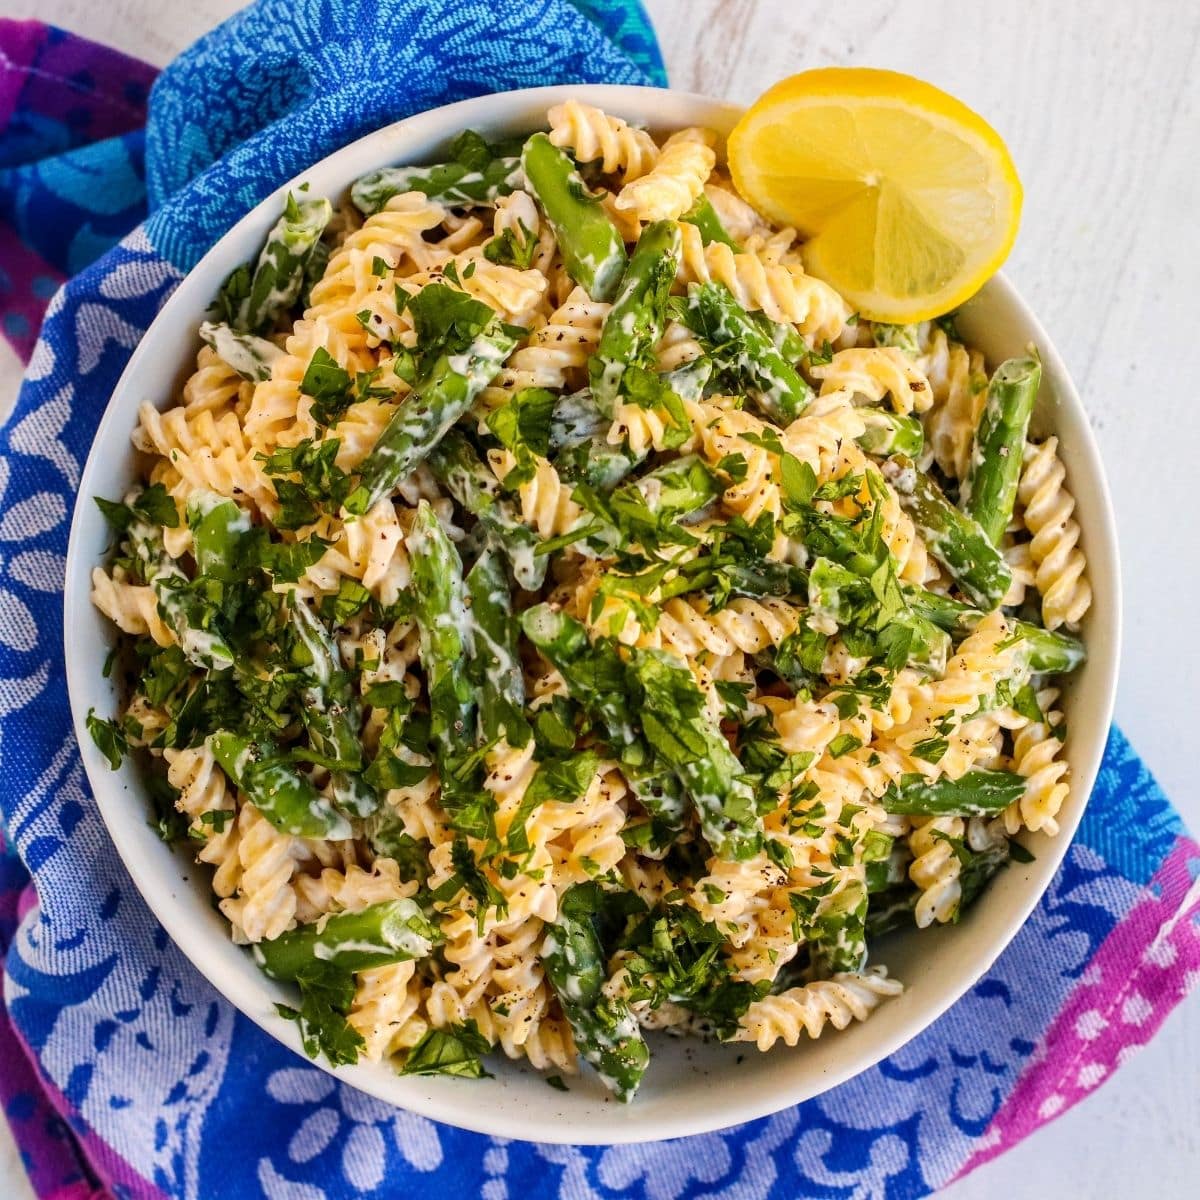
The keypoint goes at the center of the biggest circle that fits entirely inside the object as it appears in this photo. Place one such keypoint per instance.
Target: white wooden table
(1100, 104)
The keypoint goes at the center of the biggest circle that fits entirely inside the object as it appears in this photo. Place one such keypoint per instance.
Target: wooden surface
(1100, 105)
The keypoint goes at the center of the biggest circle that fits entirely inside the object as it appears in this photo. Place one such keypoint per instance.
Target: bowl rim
(599, 1125)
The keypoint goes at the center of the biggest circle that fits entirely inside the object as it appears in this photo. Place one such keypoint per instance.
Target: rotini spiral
(592, 135)
(264, 904)
(203, 788)
(675, 181)
(959, 388)
(555, 355)
(876, 373)
(1060, 563)
(1037, 755)
(837, 1001)
(131, 607)
(782, 291)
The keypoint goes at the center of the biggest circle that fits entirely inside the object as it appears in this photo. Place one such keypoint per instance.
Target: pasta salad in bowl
(551, 618)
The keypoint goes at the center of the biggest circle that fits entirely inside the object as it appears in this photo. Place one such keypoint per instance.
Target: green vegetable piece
(689, 380)
(597, 462)
(592, 249)
(900, 337)
(676, 956)
(743, 353)
(332, 714)
(728, 577)
(425, 415)
(889, 433)
(1047, 652)
(326, 995)
(838, 935)
(352, 794)
(837, 592)
(954, 538)
(976, 794)
(649, 506)
(440, 608)
(279, 273)
(494, 667)
(109, 738)
(457, 1051)
(990, 488)
(476, 183)
(219, 529)
(634, 324)
(595, 676)
(251, 357)
(705, 218)
(277, 789)
(891, 910)
(467, 478)
(575, 420)
(390, 932)
(671, 709)
(186, 608)
(606, 1031)
(1050, 651)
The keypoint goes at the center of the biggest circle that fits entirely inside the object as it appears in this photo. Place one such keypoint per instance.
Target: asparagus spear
(595, 676)
(705, 218)
(441, 613)
(279, 272)
(978, 793)
(673, 718)
(251, 357)
(476, 174)
(759, 577)
(456, 184)
(1049, 652)
(575, 420)
(390, 932)
(579, 435)
(990, 488)
(464, 475)
(592, 249)
(606, 1031)
(635, 322)
(331, 713)
(188, 613)
(494, 667)
(425, 415)
(689, 380)
(742, 351)
(281, 793)
(953, 537)
(787, 339)
(890, 433)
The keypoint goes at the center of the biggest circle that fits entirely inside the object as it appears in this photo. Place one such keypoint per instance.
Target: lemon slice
(908, 199)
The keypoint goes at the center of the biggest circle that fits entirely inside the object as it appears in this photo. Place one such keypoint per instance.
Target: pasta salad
(554, 616)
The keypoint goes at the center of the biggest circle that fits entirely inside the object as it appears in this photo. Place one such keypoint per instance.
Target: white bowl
(690, 1088)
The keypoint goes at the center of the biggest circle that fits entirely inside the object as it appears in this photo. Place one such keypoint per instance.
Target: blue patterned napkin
(165, 1090)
